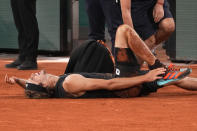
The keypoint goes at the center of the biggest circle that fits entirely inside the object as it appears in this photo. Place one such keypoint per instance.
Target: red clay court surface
(169, 109)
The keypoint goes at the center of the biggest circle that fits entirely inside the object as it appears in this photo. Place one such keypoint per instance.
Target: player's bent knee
(122, 36)
(124, 28)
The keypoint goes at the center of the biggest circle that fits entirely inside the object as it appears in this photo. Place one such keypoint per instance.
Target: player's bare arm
(21, 82)
(77, 84)
(126, 12)
(158, 11)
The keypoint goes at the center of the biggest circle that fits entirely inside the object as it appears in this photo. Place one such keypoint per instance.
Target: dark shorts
(142, 16)
(91, 56)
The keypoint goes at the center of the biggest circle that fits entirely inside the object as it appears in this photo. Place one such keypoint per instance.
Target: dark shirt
(61, 93)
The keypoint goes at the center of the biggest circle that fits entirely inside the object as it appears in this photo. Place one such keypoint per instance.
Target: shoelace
(172, 67)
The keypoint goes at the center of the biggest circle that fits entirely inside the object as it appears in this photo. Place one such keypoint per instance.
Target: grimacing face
(42, 78)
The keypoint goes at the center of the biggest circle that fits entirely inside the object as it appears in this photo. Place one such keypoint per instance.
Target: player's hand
(154, 74)
(158, 13)
(10, 80)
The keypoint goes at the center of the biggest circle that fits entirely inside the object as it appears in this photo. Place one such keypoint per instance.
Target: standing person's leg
(30, 26)
(96, 20)
(112, 12)
(21, 39)
(164, 29)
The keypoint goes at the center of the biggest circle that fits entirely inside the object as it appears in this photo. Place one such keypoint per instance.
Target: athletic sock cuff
(157, 64)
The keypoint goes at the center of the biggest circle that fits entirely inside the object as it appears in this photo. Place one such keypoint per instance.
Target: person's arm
(76, 83)
(161, 2)
(21, 82)
(126, 12)
(158, 11)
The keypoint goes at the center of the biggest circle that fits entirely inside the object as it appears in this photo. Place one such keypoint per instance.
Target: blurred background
(63, 25)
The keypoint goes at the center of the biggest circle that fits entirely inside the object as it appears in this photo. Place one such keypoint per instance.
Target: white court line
(49, 60)
(60, 60)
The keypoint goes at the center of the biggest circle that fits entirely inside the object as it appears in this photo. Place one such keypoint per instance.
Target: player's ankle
(157, 64)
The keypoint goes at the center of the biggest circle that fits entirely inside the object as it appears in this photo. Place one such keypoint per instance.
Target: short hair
(34, 91)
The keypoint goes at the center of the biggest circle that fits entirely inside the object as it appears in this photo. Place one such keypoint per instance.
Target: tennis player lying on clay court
(97, 76)
(90, 85)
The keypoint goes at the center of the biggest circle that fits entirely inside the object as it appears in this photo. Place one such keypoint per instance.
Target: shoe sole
(10, 67)
(164, 82)
(13, 66)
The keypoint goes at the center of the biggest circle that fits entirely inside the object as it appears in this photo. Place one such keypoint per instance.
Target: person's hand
(10, 80)
(154, 74)
(158, 13)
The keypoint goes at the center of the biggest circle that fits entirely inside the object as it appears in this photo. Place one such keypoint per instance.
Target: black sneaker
(28, 65)
(14, 64)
